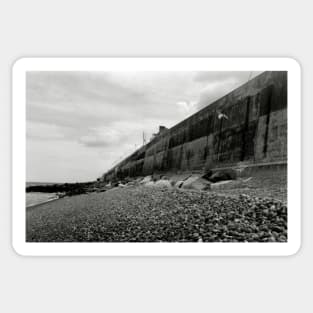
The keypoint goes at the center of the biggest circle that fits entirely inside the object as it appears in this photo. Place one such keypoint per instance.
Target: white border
(23, 65)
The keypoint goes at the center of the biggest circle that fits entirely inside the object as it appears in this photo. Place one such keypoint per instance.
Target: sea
(34, 198)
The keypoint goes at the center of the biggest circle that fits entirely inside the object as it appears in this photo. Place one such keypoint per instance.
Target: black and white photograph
(188, 156)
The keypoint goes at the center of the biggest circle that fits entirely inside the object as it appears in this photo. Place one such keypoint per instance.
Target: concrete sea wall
(248, 126)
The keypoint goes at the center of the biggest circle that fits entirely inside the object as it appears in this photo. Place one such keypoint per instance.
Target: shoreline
(32, 205)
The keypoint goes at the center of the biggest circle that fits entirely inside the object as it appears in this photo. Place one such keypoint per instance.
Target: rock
(146, 180)
(163, 183)
(132, 183)
(196, 183)
(156, 177)
(219, 185)
(179, 184)
(149, 184)
(220, 175)
(189, 181)
(207, 174)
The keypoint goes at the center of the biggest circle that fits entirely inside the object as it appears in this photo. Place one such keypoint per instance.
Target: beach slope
(154, 214)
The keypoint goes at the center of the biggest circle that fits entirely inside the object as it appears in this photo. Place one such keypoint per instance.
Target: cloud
(213, 91)
(102, 137)
(222, 76)
(42, 131)
(218, 84)
(187, 106)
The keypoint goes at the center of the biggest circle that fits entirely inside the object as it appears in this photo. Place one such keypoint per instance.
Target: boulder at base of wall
(146, 180)
(131, 183)
(197, 183)
(149, 184)
(221, 184)
(222, 175)
(179, 184)
(163, 183)
(156, 177)
(175, 178)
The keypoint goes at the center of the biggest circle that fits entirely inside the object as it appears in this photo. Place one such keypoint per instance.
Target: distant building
(162, 130)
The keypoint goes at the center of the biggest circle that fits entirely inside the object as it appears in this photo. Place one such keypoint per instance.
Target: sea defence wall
(246, 127)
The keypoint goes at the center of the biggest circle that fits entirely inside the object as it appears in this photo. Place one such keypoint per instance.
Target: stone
(149, 184)
(197, 183)
(163, 183)
(189, 181)
(220, 185)
(228, 174)
(146, 180)
(179, 184)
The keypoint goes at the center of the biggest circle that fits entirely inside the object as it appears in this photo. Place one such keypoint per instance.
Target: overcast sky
(80, 123)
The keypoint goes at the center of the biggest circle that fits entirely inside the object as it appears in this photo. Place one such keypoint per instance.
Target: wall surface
(252, 131)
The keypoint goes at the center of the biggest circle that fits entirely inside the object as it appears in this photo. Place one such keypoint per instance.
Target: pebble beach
(158, 214)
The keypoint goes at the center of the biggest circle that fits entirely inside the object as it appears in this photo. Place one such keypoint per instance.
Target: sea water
(33, 198)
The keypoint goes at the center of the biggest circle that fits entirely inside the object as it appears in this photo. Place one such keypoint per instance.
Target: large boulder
(179, 184)
(175, 178)
(222, 175)
(149, 184)
(163, 183)
(187, 182)
(146, 180)
(221, 184)
(207, 174)
(197, 183)
(156, 177)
